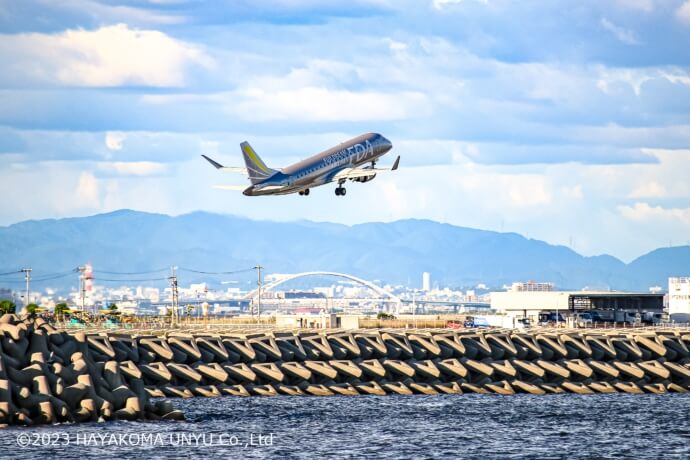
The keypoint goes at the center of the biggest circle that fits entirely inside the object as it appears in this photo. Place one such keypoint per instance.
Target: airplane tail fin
(256, 168)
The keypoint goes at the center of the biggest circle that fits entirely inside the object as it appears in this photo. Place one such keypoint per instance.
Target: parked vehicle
(476, 322)
(523, 323)
(585, 319)
(551, 319)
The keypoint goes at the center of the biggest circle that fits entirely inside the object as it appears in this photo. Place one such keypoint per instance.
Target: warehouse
(605, 306)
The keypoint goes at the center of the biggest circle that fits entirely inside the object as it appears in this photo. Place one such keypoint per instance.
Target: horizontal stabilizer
(214, 163)
(232, 169)
(396, 164)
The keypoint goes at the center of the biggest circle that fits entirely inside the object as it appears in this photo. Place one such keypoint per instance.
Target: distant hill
(395, 252)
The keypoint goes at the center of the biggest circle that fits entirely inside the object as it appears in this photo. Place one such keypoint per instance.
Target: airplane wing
(232, 169)
(354, 173)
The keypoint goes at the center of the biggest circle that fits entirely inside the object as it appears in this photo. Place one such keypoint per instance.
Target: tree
(60, 309)
(7, 306)
(384, 316)
(31, 308)
(112, 307)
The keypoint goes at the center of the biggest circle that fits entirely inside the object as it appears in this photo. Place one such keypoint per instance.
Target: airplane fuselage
(322, 168)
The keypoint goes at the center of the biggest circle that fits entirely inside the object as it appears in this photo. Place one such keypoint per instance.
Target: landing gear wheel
(305, 192)
(340, 191)
(300, 193)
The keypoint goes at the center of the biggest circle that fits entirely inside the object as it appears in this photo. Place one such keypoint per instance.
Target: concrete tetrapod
(49, 376)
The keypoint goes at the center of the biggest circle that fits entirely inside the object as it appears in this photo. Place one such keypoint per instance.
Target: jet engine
(364, 178)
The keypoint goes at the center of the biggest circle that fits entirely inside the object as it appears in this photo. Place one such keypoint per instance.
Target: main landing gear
(340, 191)
(304, 192)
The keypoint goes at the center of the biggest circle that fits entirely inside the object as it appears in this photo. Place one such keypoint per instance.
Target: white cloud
(683, 12)
(323, 104)
(87, 194)
(396, 46)
(638, 77)
(644, 212)
(633, 77)
(528, 191)
(650, 189)
(441, 4)
(110, 56)
(313, 104)
(108, 14)
(623, 35)
(133, 168)
(676, 76)
(113, 140)
(574, 192)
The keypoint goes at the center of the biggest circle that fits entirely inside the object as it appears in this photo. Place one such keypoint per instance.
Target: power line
(46, 277)
(11, 273)
(50, 278)
(148, 272)
(129, 280)
(12, 281)
(216, 273)
(55, 275)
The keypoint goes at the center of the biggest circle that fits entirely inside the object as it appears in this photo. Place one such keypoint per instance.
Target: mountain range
(138, 243)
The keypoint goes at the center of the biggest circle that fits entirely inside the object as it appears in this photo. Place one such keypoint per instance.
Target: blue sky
(564, 121)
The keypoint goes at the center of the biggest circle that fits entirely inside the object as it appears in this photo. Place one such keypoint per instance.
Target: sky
(565, 121)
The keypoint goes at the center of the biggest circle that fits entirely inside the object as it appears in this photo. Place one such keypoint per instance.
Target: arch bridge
(385, 294)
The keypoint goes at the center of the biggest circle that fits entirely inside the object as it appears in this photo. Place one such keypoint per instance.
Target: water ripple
(455, 426)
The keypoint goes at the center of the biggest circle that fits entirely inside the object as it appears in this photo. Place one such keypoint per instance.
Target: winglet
(214, 163)
(395, 165)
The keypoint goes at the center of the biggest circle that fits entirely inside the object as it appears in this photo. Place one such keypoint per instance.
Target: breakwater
(50, 375)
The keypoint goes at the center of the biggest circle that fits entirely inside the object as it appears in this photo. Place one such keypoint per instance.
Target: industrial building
(601, 306)
(679, 299)
(319, 320)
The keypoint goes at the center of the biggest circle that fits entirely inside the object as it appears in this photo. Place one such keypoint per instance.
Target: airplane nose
(387, 145)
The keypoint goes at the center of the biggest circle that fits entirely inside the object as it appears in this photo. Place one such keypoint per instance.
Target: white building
(426, 281)
(531, 286)
(610, 306)
(679, 299)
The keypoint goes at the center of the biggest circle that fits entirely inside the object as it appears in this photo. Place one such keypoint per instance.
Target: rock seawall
(48, 375)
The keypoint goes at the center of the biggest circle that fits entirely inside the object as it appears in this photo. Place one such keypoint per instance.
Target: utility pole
(258, 269)
(175, 300)
(27, 278)
(82, 288)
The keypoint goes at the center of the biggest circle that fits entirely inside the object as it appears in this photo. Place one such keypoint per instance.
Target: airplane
(353, 160)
